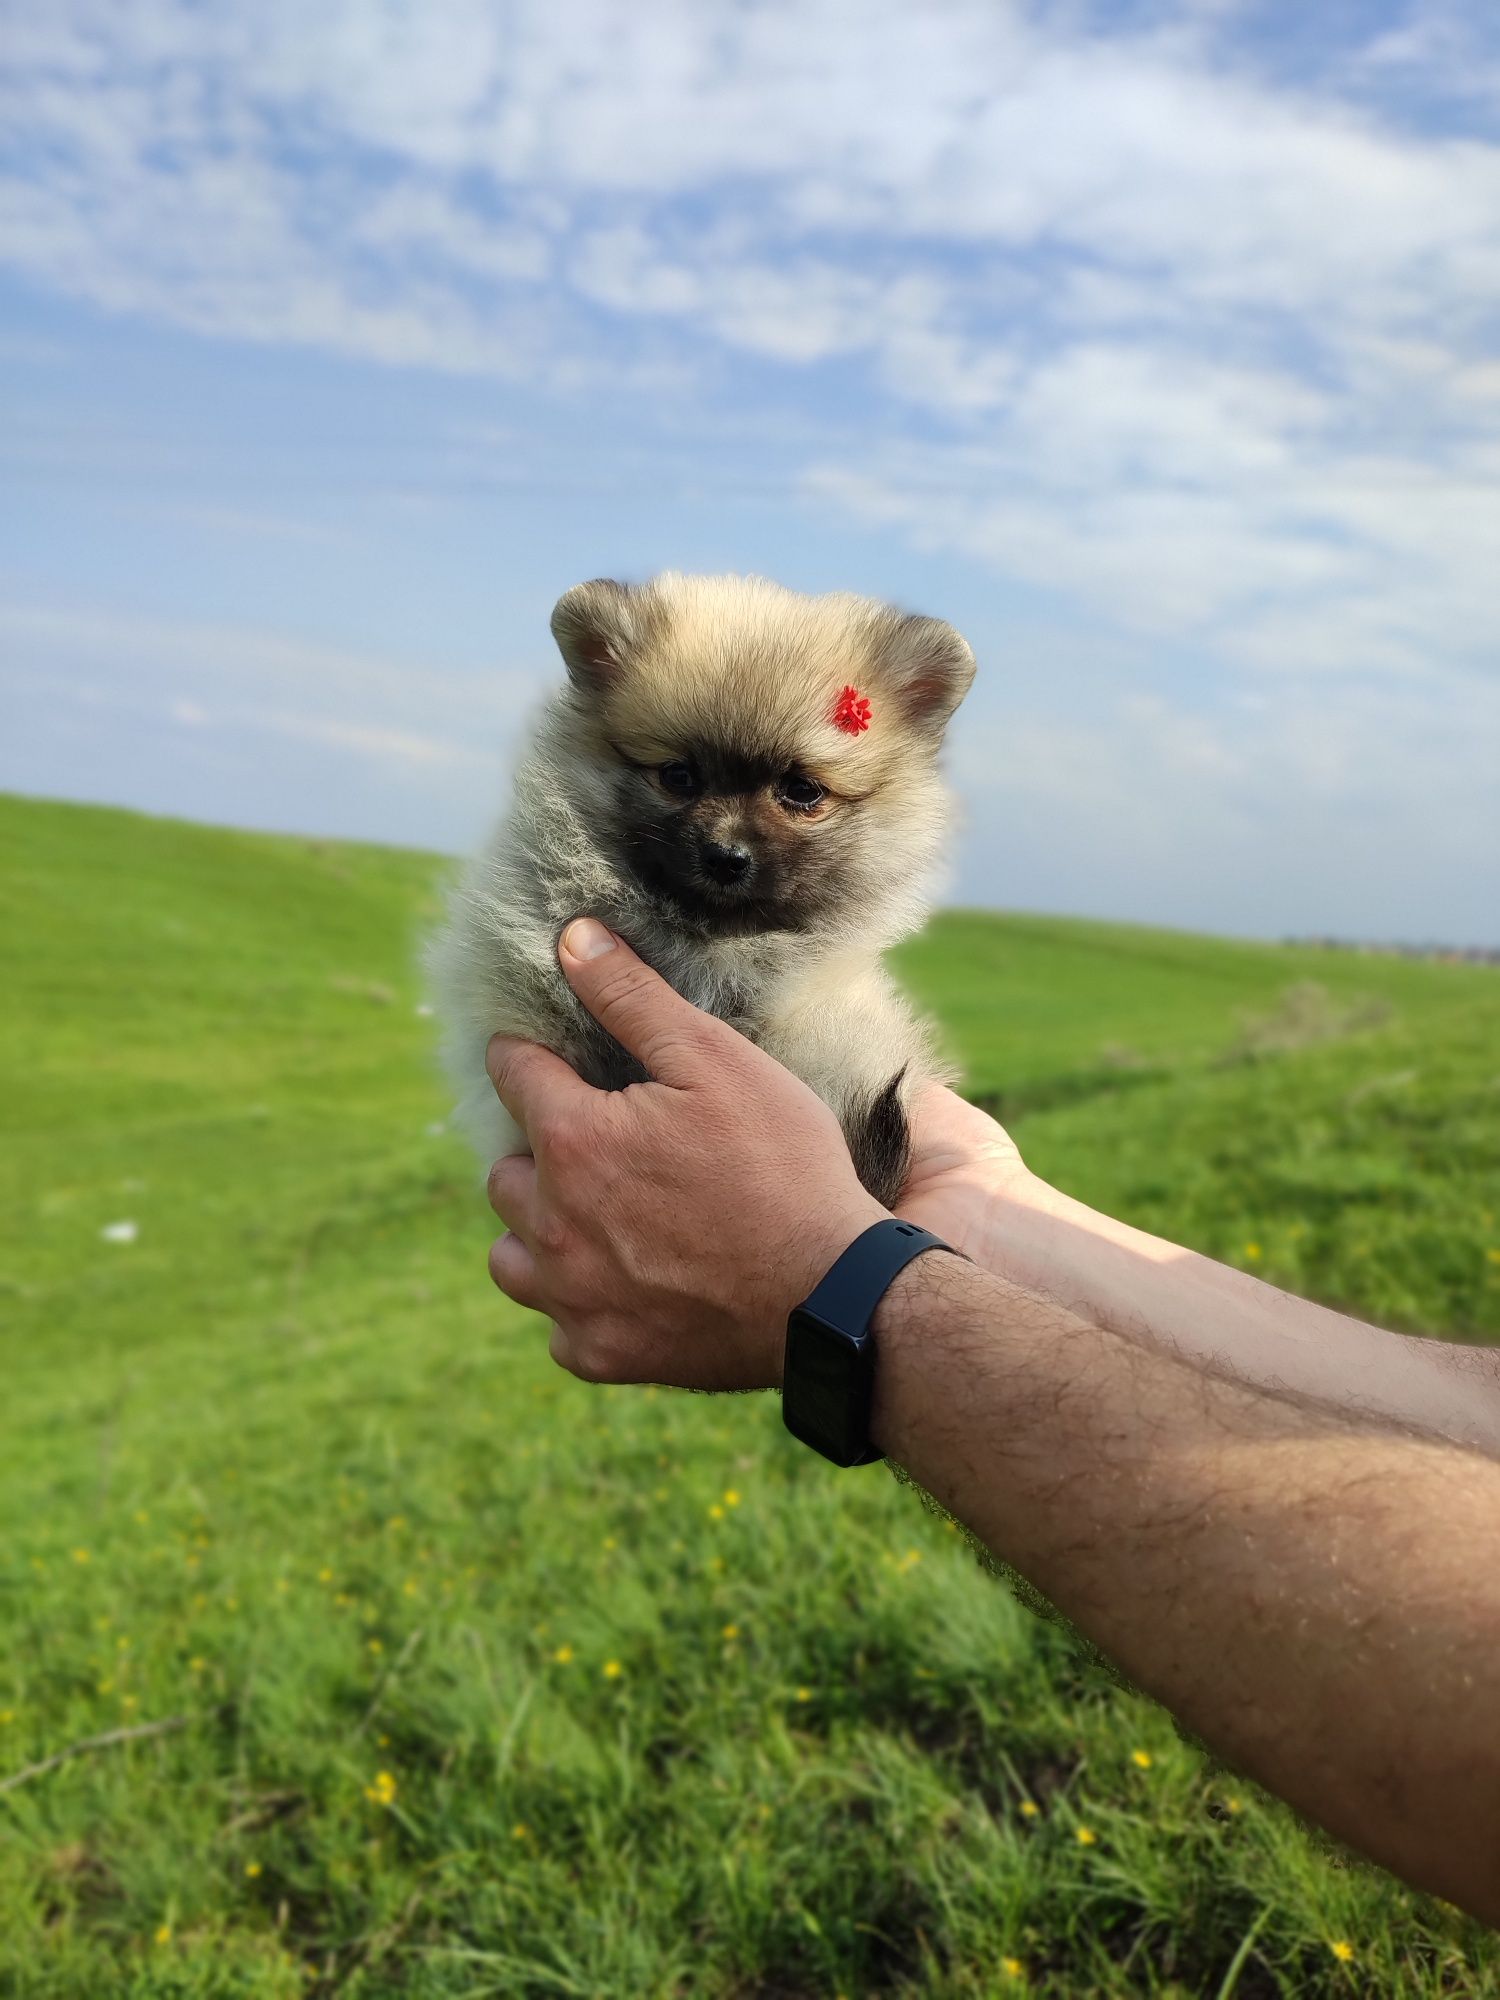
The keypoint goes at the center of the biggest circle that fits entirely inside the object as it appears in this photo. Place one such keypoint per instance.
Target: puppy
(742, 782)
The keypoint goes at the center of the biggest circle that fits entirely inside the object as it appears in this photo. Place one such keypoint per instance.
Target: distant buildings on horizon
(1440, 954)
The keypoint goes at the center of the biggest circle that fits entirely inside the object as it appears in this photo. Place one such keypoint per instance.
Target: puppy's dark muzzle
(729, 867)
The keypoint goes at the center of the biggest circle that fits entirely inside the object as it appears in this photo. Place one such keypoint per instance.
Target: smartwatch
(828, 1381)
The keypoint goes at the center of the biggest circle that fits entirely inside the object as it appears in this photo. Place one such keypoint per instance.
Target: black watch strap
(828, 1381)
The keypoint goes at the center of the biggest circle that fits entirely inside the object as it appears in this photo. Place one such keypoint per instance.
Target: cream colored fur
(652, 669)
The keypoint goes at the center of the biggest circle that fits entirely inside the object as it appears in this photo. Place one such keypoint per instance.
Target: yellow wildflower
(1141, 1758)
(731, 1498)
(1342, 1950)
(730, 1632)
(1252, 1251)
(375, 1645)
(1234, 1805)
(164, 1934)
(804, 1694)
(1012, 1968)
(252, 1869)
(81, 1555)
(7, 1716)
(1085, 1836)
(325, 1574)
(716, 1512)
(520, 1831)
(197, 1664)
(563, 1655)
(610, 1542)
(612, 1670)
(1029, 1809)
(383, 1791)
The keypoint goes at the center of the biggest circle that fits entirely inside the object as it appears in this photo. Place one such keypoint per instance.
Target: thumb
(646, 1016)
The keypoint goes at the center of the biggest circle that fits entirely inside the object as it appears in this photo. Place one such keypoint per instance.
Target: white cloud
(469, 135)
(1301, 813)
(401, 746)
(242, 681)
(254, 727)
(1114, 312)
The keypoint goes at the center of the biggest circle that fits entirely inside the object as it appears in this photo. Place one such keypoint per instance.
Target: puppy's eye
(680, 780)
(800, 791)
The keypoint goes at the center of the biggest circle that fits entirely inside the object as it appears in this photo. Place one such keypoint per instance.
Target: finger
(671, 1037)
(512, 1191)
(577, 1356)
(560, 1347)
(529, 1078)
(514, 1271)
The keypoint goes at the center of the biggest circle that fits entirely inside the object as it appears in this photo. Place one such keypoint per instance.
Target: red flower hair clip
(851, 712)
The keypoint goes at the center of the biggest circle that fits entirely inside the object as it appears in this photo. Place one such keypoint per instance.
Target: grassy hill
(477, 1681)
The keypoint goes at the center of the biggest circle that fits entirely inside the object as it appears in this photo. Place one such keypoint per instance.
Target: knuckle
(502, 1061)
(588, 1349)
(620, 981)
(547, 1131)
(500, 1264)
(511, 1271)
(561, 1136)
(552, 1235)
(672, 1049)
(613, 1355)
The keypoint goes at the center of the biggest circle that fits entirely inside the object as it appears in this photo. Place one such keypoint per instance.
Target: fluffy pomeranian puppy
(742, 782)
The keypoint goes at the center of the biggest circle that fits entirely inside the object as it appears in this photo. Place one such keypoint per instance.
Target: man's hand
(669, 1228)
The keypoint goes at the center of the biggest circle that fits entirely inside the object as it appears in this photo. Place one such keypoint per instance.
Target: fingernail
(586, 939)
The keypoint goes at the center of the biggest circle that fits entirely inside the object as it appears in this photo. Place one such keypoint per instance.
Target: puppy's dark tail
(880, 1143)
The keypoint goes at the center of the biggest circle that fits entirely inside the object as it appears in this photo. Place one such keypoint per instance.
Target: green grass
(666, 1706)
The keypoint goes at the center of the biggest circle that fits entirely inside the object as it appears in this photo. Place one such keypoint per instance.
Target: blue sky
(1158, 347)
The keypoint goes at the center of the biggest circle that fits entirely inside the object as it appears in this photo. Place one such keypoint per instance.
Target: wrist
(1021, 1228)
(911, 1328)
(832, 1353)
(816, 1247)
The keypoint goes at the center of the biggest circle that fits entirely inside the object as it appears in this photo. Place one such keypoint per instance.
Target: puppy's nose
(725, 864)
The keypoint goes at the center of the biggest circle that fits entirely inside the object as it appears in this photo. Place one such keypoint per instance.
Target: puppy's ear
(928, 666)
(594, 624)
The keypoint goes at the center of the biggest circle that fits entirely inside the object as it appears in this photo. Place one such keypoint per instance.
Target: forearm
(1317, 1597)
(1230, 1323)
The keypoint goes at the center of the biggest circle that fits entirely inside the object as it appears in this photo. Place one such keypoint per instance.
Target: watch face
(826, 1388)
